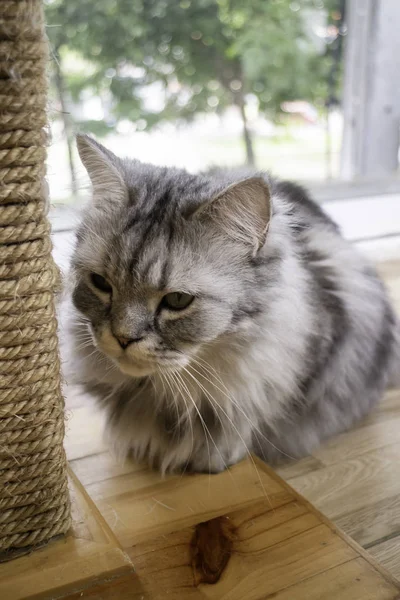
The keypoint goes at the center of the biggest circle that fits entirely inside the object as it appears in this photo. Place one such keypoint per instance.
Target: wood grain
(350, 581)
(122, 588)
(300, 467)
(241, 534)
(375, 433)
(352, 483)
(72, 562)
(251, 571)
(373, 523)
(356, 480)
(267, 550)
(389, 553)
(139, 504)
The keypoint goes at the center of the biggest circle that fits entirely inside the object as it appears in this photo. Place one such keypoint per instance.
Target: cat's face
(163, 259)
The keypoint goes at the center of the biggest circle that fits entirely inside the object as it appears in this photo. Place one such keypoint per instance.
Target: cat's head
(164, 259)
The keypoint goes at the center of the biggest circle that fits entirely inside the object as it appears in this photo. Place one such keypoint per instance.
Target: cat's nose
(124, 342)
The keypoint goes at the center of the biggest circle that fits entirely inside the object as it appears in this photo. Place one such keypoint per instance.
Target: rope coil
(34, 503)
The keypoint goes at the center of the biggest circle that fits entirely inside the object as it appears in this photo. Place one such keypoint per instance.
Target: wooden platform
(241, 535)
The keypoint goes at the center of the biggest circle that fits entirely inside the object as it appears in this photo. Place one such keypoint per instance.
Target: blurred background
(308, 89)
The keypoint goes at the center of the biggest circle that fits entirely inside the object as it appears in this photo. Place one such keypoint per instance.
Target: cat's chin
(144, 368)
(136, 370)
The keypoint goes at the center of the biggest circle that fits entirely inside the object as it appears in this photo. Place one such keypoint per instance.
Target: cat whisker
(87, 344)
(190, 423)
(168, 380)
(239, 408)
(84, 339)
(170, 385)
(211, 399)
(82, 318)
(220, 420)
(205, 428)
(95, 351)
(208, 396)
(83, 333)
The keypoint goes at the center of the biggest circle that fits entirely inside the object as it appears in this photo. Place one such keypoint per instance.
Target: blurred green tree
(203, 55)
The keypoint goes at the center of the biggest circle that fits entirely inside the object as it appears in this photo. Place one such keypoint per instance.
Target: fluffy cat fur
(290, 337)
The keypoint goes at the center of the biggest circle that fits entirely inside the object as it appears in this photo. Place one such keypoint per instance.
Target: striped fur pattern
(290, 337)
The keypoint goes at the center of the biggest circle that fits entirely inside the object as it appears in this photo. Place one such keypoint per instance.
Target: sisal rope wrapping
(34, 503)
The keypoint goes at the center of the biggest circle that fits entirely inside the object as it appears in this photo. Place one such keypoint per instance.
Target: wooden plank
(353, 484)
(333, 527)
(231, 546)
(101, 466)
(241, 534)
(123, 588)
(381, 428)
(374, 522)
(373, 434)
(140, 505)
(388, 554)
(89, 553)
(249, 572)
(350, 581)
(240, 555)
(374, 513)
(299, 468)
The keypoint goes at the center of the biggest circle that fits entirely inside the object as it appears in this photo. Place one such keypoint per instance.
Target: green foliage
(203, 54)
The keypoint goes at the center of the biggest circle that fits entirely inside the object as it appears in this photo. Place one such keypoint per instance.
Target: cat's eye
(100, 283)
(176, 301)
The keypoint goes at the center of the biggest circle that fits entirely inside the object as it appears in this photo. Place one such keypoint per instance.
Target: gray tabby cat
(220, 313)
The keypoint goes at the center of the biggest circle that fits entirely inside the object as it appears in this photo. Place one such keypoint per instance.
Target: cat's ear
(242, 211)
(102, 167)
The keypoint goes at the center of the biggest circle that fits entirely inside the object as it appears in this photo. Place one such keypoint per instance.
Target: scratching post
(34, 503)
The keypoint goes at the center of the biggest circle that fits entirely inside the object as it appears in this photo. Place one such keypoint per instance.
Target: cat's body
(289, 340)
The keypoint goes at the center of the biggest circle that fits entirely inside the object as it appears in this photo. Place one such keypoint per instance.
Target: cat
(218, 314)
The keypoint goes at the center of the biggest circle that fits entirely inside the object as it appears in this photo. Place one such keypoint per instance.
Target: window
(308, 89)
